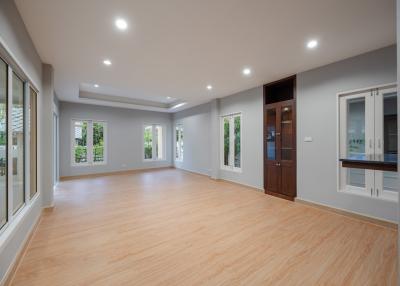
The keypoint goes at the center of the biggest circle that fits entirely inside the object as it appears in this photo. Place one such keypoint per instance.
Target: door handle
(278, 134)
(278, 164)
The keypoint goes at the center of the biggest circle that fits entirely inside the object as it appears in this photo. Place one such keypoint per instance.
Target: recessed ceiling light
(312, 44)
(168, 97)
(209, 87)
(246, 71)
(121, 24)
(96, 85)
(107, 62)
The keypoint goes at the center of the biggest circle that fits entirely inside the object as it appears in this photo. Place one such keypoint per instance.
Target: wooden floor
(169, 227)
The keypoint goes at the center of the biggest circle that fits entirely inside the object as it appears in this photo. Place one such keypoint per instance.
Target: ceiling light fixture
(246, 71)
(178, 105)
(168, 97)
(96, 85)
(107, 62)
(121, 24)
(312, 44)
(209, 87)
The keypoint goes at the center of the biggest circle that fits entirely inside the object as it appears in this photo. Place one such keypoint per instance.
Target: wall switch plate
(307, 139)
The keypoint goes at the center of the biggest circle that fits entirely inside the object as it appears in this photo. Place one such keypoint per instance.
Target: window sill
(154, 160)
(89, 164)
(230, 169)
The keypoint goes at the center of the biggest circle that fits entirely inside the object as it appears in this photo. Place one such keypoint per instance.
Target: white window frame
(89, 143)
(373, 140)
(14, 218)
(153, 141)
(231, 160)
(179, 151)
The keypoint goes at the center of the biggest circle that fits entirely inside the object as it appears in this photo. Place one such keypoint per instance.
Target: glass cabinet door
(286, 132)
(271, 134)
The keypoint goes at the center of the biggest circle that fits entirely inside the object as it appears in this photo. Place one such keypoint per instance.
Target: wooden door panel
(288, 180)
(272, 175)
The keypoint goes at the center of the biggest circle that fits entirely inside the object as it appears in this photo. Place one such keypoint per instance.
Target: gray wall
(196, 123)
(317, 117)
(250, 104)
(124, 139)
(15, 38)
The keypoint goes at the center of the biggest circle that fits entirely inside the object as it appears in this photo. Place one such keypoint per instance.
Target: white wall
(15, 40)
(197, 138)
(250, 104)
(124, 139)
(317, 117)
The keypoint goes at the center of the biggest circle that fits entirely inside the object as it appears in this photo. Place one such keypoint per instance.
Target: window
(368, 127)
(3, 144)
(153, 142)
(231, 142)
(88, 146)
(33, 141)
(179, 143)
(18, 142)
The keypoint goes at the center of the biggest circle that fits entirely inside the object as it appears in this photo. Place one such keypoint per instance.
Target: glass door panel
(271, 134)
(286, 133)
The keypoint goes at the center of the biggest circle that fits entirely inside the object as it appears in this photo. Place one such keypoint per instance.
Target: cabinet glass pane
(271, 134)
(3, 143)
(237, 141)
(286, 133)
(18, 142)
(226, 141)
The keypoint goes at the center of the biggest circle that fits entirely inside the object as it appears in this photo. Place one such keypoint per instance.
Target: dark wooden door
(280, 151)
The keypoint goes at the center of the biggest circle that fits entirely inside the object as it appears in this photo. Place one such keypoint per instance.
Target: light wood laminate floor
(170, 227)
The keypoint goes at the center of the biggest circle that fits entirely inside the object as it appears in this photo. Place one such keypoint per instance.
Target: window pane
(356, 139)
(356, 127)
(159, 142)
(98, 142)
(237, 141)
(80, 132)
(18, 142)
(390, 179)
(226, 141)
(181, 144)
(356, 177)
(177, 143)
(3, 143)
(33, 142)
(148, 142)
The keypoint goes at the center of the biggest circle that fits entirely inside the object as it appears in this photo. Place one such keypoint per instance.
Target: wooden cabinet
(280, 139)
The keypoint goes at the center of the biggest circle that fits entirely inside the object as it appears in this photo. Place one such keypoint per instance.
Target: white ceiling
(177, 47)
